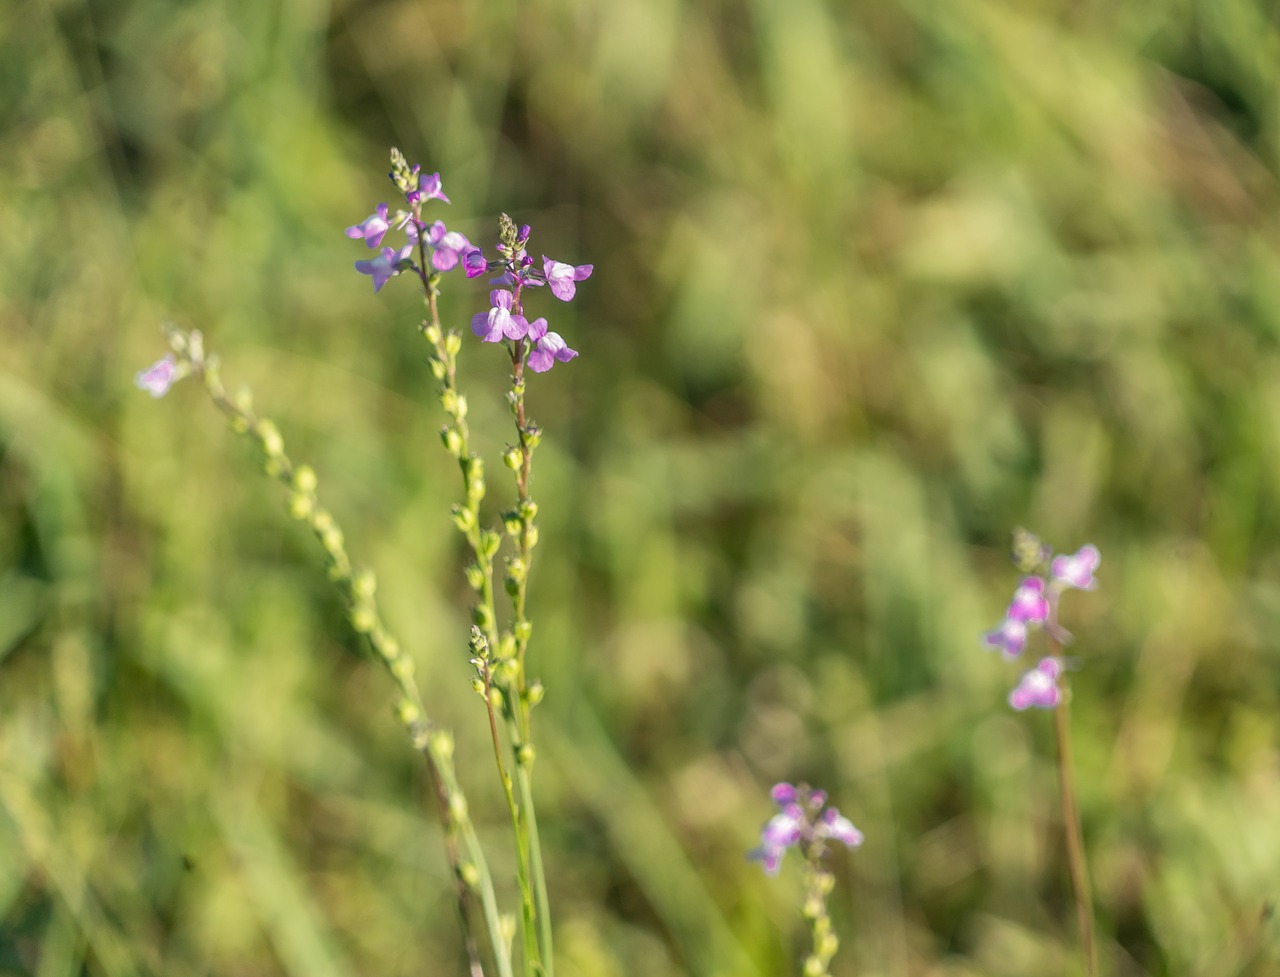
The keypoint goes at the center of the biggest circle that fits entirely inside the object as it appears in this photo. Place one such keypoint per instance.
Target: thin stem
(358, 591)
(1075, 840)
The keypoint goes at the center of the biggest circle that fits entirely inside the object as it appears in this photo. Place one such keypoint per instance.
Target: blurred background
(874, 283)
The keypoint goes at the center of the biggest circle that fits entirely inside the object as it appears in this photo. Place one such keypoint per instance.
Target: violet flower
(1039, 687)
(1077, 570)
(803, 821)
(1010, 637)
(548, 347)
(429, 188)
(448, 246)
(159, 377)
(500, 322)
(1029, 602)
(563, 278)
(372, 228)
(386, 265)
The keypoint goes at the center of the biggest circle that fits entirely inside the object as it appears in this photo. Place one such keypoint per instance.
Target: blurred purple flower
(429, 188)
(386, 265)
(1077, 570)
(157, 378)
(1010, 637)
(372, 228)
(1029, 602)
(1039, 687)
(563, 278)
(803, 820)
(448, 246)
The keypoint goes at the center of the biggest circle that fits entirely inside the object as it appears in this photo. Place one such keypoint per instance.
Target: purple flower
(562, 277)
(474, 264)
(547, 348)
(372, 228)
(1077, 570)
(1010, 637)
(804, 821)
(1029, 603)
(499, 322)
(386, 265)
(159, 377)
(1039, 687)
(448, 246)
(429, 188)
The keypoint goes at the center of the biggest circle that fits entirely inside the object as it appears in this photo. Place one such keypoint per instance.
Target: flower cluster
(505, 319)
(803, 820)
(447, 247)
(1035, 607)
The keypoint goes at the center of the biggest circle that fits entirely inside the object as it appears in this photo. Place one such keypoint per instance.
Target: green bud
(452, 343)
(362, 620)
(239, 425)
(507, 928)
(407, 712)
(535, 693)
(322, 521)
(390, 646)
(477, 643)
(512, 523)
(402, 667)
(489, 542)
(513, 457)
(511, 585)
(300, 505)
(331, 540)
(243, 400)
(478, 685)
(528, 509)
(507, 668)
(507, 647)
(531, 436)
(449, 400)
(272, 467)
(269, 435)
(463, 517)
(533, 536)
(522, 630)
(462, 407)
(432, 332)
(364, 584)
(481, 617)
(452, 440)
(468, 873)
(475, 577)
(304, 478)
(438, 368)
(442, 743)
(526, 754)
(495, 697)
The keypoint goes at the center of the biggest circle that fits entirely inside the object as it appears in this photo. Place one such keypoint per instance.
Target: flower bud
(475, 577)
(362, 620)
(432, 332)
(452, 343)
(522, 630)
(269, 435)
(513, 457)
(451, 440)
(300, 506)
(408, 713)
(438, 368)
(481, 617)
(512, 523)
(489, 542)
(463, 517)
(364, 584)
(304, 478)
(478, 686)
(526, 754)
(531, 436)
(402, 667)
(535, 693)
(243, 400)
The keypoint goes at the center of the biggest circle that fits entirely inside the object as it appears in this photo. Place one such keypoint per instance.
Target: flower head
(803, 821)
(448, 246)
(1077, 570)
(386, 265)
(499, 322)
(159, 377)
(429, 188)
(548, 347)
(563, 278)
(372, 228)
(1029, 602)
(1039, 687)
(1010, 637)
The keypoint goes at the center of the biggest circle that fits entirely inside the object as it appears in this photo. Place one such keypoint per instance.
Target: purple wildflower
(1077, 570)
(386, 265)
(1010, 637)
(548, 347)
(448, 246)
(1039, 687)
(1029, 602)
(499, 322)
(474, 263)
(372, 228)
(804, 821)
(159, 377)
(563, 278)
(429, 188)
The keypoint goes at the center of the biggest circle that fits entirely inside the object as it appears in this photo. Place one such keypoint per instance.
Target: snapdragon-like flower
(1077, 570)
(500, 322)
(803, 821)
(372, 229)
(1010, 636)
(159, 377)
(1039, 687)
(562, 278)
(474, 263)
(428, 188)
(386, 265)
(548, 347)
(447, 247)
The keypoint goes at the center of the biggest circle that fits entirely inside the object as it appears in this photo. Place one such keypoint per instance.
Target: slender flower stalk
(1035, 607)
(358, 588)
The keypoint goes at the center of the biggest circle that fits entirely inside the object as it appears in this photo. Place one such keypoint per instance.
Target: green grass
(875, 282)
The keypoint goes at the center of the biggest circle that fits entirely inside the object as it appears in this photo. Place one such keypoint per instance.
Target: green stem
(1075, 839)
(358, 591)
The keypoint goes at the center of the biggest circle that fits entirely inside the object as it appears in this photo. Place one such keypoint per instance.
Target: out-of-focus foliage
(875, 282)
